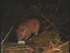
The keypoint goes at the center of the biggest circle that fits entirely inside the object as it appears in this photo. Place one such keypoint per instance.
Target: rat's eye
(20, 34)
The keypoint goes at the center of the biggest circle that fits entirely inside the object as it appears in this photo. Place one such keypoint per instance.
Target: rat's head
(20, 34)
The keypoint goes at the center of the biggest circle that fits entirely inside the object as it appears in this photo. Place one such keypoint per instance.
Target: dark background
(14, 12)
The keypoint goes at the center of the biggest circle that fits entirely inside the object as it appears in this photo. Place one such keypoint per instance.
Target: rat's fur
(25, 29)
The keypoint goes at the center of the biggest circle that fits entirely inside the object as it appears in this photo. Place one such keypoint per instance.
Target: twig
(7, 35)
(63, 44)
(64, 35)
(53, 25)
(48, 21)
(55, 12)
(39, 5)
(50, 46)
(56, 49)
(48, 26)
(57, 42)
(47, 5)
(60, 25)
(2, 33)
(53, 50)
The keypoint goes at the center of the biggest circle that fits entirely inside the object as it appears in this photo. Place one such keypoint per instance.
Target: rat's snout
(20, 34)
